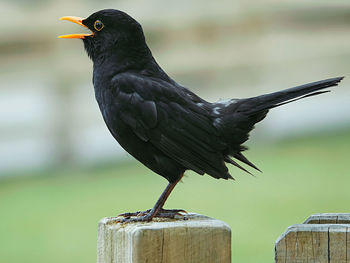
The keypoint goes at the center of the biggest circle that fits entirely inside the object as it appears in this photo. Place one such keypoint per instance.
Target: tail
(252, 110)
(272, 100)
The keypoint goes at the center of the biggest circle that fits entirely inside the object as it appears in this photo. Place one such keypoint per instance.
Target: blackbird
(162, 124)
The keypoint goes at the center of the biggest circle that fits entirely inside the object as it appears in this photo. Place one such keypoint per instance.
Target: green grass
(52, 217)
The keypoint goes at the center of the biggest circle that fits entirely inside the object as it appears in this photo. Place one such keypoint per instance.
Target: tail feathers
(239, 156)
(256, 108)
(272, 100)
(229, 160)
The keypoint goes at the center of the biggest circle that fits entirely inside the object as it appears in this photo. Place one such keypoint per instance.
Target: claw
(177, 210)
(138, 213)
(144, 218)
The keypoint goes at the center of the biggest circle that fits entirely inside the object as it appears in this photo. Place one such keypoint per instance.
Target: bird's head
(113, 32)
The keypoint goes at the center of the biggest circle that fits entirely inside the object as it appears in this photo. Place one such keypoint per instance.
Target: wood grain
(329, 218)
(321, 239)
(198, 239)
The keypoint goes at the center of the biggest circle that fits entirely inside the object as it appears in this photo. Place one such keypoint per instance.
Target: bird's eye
(98, 25)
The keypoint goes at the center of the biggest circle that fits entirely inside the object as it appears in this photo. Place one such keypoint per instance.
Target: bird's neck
(138, 60)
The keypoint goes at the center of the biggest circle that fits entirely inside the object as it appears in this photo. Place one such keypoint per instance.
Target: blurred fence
(48, 115)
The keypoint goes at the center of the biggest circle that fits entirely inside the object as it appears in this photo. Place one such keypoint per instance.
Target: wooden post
(329, 218)
(323, 238)
(197, 239)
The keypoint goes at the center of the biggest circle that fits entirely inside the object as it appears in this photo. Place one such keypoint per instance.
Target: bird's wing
(162, 114)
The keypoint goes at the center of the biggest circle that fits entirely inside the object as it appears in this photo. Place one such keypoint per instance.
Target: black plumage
(162, 124)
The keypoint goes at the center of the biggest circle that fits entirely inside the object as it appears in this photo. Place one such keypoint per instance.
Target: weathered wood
(329, 218)
(316, 243)
(198, 239)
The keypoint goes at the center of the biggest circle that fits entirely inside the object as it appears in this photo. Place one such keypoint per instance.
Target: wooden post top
(322, 238)
(197, 239)
(329, 218)
(189, 220)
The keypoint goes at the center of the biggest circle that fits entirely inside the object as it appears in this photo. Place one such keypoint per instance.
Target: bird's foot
(138, 213)
(146, 216)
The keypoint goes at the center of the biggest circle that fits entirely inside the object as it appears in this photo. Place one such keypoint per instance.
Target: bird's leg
(157, 210)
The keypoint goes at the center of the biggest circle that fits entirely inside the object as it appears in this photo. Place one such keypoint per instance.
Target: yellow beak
(77, 20)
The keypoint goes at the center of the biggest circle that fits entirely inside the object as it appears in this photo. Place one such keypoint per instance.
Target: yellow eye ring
(98, 25)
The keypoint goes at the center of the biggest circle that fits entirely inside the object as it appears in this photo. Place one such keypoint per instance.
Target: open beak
(79, 21)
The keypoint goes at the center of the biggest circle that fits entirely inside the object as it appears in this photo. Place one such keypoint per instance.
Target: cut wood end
(188, 220)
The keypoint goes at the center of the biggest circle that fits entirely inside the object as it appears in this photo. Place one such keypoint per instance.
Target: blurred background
(61, 171)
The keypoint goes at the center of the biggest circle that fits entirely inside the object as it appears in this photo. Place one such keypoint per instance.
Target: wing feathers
(183, 133)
